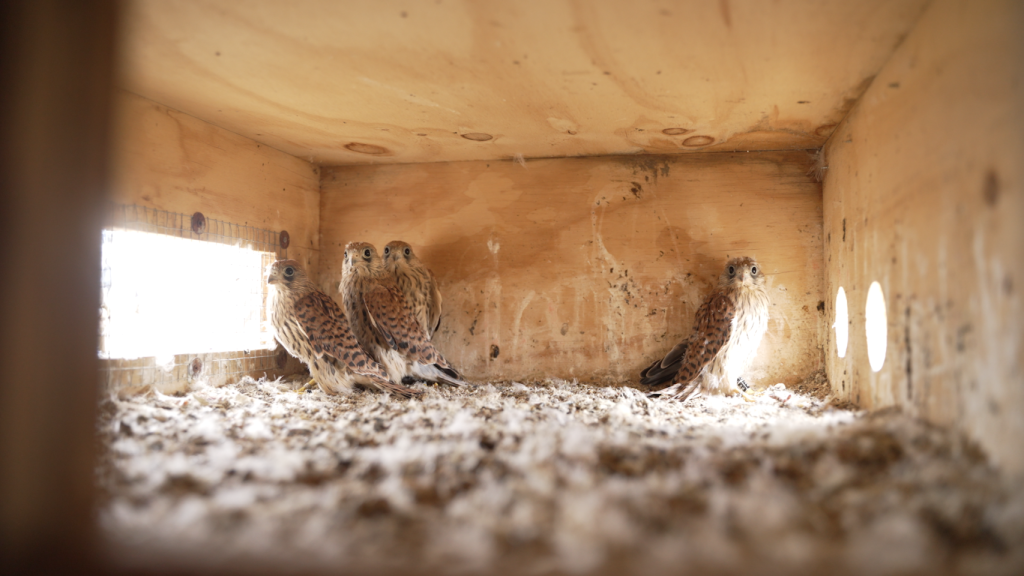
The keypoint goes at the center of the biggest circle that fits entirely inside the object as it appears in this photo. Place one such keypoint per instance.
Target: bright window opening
(876, 326)
(165, 295)
(842, 324)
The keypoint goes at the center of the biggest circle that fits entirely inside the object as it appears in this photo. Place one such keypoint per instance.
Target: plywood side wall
(590, 268)
(925, 194)
(168, 160)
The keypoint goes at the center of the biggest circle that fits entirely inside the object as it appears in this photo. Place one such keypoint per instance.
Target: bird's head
(361, 258)
(397, 252)
(286, 275)
(742, 271)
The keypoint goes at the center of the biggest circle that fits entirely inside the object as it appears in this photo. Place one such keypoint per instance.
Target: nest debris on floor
(548, 477)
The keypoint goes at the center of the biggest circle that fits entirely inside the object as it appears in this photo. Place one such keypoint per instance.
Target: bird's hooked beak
(748, 278)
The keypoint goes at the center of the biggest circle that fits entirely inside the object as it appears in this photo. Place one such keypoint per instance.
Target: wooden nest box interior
(575, 174)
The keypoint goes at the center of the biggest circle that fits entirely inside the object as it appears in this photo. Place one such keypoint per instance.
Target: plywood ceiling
(440, 80)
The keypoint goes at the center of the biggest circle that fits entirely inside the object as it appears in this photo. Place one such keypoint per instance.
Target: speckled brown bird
(313, 328)
(417, 284)
(728, 328)
(384, 324)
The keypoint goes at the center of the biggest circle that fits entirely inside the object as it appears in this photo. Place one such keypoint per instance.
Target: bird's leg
(744, 387)
(306, 386)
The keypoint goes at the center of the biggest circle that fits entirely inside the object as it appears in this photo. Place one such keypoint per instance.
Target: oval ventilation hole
(697, 141)
(675, 131)
(876, 326)
(842, 323)
(366, 148)
(477, 136)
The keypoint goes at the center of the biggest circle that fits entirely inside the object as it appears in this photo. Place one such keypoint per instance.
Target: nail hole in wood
(198, 223)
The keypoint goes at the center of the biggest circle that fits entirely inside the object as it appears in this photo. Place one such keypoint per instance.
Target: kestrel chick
(727, 330)
(417, 284)
(383, 323)
(314, 329)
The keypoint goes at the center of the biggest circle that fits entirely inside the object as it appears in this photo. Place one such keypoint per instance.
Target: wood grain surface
(168, 160)
(925, 194)
(407, 81)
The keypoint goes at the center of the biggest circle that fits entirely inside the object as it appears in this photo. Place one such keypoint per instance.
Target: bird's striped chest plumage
(749, 323)
(413, 286)
(419, 292)
(353, 288)
(414, 291)
(286, 328)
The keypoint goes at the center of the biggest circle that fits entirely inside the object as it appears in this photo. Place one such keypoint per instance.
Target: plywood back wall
(925, 195)
(591, 267)
(168, 160)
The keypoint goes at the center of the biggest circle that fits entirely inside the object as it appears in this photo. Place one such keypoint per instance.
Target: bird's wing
(713, 326)
(397, 324)
(664, 370)
(329, 333)
(434, 303)
(318, 315)
(387, 311)
(675, 354)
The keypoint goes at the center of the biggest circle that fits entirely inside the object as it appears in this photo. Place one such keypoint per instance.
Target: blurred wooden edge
(57, 68)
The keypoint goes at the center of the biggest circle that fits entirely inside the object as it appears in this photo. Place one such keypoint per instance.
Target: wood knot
(697, 141)
(366, 148)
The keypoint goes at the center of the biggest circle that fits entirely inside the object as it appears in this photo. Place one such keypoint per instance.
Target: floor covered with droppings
(547, 477)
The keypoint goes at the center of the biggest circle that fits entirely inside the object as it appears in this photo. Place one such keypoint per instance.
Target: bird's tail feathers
(682, 391)
(656, 374)
(449, 371)
(435, 373)
(396, 389)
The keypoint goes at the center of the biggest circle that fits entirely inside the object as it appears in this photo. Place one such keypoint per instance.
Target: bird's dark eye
(732, 270)
(289, 272)
(366, 253)
(387, 250)
(753, 271)
(408, 251)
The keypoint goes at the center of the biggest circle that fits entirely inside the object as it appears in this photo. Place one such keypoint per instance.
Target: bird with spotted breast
(417, 284)
(384, 324)
(313, 328)
(728, 328)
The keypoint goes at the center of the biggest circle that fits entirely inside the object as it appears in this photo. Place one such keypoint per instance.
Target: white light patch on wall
(842, 323)
(164, 295)
(876, 326)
